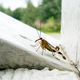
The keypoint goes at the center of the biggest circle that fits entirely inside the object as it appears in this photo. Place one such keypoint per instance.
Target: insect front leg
(42, 51)
(35, 45)
(38, 48)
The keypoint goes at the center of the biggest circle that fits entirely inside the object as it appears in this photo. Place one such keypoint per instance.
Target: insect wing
(51, 46)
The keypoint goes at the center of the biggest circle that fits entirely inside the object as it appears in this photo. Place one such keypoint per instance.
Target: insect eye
(40, 38)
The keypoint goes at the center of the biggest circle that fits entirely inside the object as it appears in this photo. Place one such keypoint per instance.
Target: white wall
(70, 29)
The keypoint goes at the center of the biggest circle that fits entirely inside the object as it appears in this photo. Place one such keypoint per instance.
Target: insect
(47, 46)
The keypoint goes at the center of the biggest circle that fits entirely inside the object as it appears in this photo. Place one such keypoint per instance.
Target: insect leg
(37, 48)
(62, 55)
(42, 51)
(53, 54)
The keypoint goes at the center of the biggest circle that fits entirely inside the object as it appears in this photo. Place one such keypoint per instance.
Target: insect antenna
(40, 28)
(38, 33)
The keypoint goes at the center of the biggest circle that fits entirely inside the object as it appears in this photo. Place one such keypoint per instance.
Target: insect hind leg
(53, 53)
(55, 56)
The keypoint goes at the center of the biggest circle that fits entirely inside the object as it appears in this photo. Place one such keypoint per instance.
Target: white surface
(70, 29)
(45, 74)
(16, 47)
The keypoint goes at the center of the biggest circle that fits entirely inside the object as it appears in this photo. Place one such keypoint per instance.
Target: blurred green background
(47, 13)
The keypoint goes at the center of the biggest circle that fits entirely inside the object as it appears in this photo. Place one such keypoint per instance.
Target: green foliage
(50, 8)
(51, 19)
(8, 11)
(49, 12)
(30, 14)
(17, 13)
(50, 26)
(49, 29)
(2, 8)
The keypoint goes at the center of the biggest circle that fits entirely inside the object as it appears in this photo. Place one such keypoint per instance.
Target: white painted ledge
(17, 47)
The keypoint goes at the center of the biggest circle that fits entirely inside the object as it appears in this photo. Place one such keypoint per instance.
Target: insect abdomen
(49, 48)
(62, 55)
